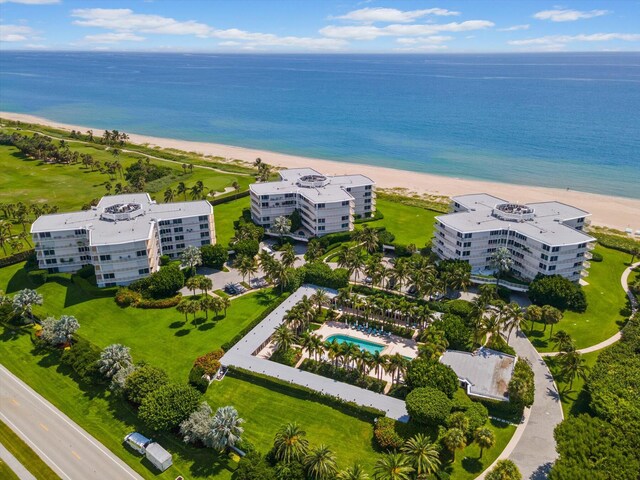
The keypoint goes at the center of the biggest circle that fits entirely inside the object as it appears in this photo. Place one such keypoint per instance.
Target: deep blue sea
(558, 120)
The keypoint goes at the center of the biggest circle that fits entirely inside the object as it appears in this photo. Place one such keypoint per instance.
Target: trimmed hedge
(16, 258)
(350, 408)
(38, 277)
(428, 406)
(386, 435)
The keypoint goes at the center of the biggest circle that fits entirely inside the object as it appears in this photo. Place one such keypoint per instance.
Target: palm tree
(502, 261)
(572, 365)
(513, 318)
(290, 443)
(563, 342)
(635, 252)
(368, 238)
(283, 337)
(90, 135)
(225, 303)
(204, 283)
(24, 300)
(320, 463)
(281, 226)
(169, 195)
(192, 284)
(288, 256)
(246, 265)
(191, 258)
(314, 251)
(454, 440)
(393, 466)
(236, 186)
(485, 438)
(491, 325)
(113, 358)
(550, 316)
(533, 314)
(181, 189)
(183, 307)
(355, 472)
(424, 454)
(379, 363)
(320, 298)
(225, 428)
(504, 470)
(397, 367)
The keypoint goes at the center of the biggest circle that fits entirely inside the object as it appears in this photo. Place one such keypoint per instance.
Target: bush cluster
(164, 408)
(214, 256)
(143, 381)
(431, 373)
(83, 358)
(209, 362)
(558, 292)
(456, 331)
(521, 386)
(350, 376)
(161, 284)
(428, 406)
(386, 435)
(321, 274)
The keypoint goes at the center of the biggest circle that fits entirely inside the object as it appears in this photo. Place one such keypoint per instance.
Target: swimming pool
(370, 347)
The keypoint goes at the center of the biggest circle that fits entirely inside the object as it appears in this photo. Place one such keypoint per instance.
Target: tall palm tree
(290, 443)
(454, 440)
(563, 342)
(181, 189)
(288, 255)
(492, 324)
(572, 365)
(183, 307)
(533, 314)
(281, 226)
(485, 438)
(393, 466)
(502, 261)
(283, 337)
(113, 358)
(314, 251)
(246, 265)
(169, 195)
(225, 303)
(320, 298)
(225, 428)
(368, 238)
(423, 453)
(320, 463)
(379, 363)
(397, 367)
(355, 472)
(513, 318)
(550, 316)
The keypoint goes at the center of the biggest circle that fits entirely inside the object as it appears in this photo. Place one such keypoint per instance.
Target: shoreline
(608, 211)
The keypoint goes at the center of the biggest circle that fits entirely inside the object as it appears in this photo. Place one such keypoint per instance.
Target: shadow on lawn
(19, 281)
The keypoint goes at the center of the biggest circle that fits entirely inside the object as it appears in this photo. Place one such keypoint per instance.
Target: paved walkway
(15, 466)
(624, 282)
(69, 450)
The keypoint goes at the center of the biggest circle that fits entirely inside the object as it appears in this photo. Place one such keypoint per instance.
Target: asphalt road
(70, 451)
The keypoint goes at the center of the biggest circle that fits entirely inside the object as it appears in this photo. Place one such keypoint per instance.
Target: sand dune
(610, 211)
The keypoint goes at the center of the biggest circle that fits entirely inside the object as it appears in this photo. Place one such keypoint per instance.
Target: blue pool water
(567, 120)
(370, 347)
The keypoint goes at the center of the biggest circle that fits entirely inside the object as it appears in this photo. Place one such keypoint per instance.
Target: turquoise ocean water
(557, 120)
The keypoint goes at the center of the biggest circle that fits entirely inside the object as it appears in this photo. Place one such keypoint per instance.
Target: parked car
(137, 441)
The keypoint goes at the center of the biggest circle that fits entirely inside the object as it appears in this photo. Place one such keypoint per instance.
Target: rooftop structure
(123, 236)
(484, 373)
(544, 237)
(327, 204)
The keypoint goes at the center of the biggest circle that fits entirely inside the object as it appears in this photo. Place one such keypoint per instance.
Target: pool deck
(392, 344)
(242, 355)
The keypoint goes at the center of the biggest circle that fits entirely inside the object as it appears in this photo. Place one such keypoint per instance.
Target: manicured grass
(25, 455)
(575, 400)
(607, 308)
(160, 336)
(409, 224)
(6, 473)
(224, 216)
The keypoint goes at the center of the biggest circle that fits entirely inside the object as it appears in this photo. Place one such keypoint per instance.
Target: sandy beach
(609, 211)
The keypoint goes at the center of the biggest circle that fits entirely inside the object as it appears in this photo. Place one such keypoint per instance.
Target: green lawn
(224, 216)
(23, 453)
(160, 337)
(409, 224)
(6, 473)
(607, 306)
(575, 400)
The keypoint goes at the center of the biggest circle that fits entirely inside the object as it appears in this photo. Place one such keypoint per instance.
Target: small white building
(158, 456)
(543, 238)
(123, 236)
(327, 204)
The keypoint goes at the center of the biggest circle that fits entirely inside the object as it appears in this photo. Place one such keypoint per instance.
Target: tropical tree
(113, 358)
(423, 453)
(60, 331)
(502, 261)
(24, 300)
(368, 238)
(454, 440)
(550, 316)
(192, 284)
(169, 195)
(225, 428)
(314, 251)
(197, 427)
(283, 338)
(191, 258)
(393, 466)
(563, 342)
(290, 443)
(512, 319)
(320, 298)
(320, 463)
(355, 472)
(181, 189)
(288, 256)
(485, 438)
(281, 226)
(397, 367)
(246, 265)
(225, 303)
(533, 314)
(504, 470)
(572, 365)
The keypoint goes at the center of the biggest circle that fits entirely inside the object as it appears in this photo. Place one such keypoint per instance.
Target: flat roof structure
(486, 372)
(242, 355)
(120, 218)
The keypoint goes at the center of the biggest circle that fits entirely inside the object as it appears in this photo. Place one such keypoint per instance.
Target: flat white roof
(333, 191)
(107, 232)
(156, 451)
(487, 372)
(546, 225)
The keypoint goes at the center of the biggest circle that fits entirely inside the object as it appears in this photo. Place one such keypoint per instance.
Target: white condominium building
(543, 238)
(326, 204)
(123, 236)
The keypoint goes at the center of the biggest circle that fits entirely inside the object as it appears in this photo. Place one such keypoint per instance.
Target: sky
(321, 26)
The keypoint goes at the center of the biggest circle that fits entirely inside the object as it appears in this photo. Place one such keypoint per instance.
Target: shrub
(143, 381)
(287, 357)
(214, 256)
(431, 373)
(321, 274)
(197, 379)
(127, 298)
(86, 272)
(558, 292)
(159, 303)
(246, 247)
(461, 308)
(38, 277)
(475, 412)
(166, 282)
(496, 342)
(386, 435)
(505, 470)
(164, 408)
(141, 285)
(83, 358)
(334, 238)
(165, 260)
(210, 362)
(455, 331)
(596, 257)
(521, 387)
(428, 406)
(253, 467)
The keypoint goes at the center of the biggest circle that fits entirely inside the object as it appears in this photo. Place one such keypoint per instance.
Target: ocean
(567, 120)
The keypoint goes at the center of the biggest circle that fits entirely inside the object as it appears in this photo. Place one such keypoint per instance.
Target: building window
(367, 207)
(546, 248)
(164, 231)
(345, 217)
(554, 258)
(580, 220)
(203, 218)
(467, 244)
(542, 266)
(345, 204)
(51, 261)
(552, 267)
(45, 235)
(204, 234)
(205, 242)
(320, 205)
(165, 222)
(367, 201)
(581, 254)
(555, 249)
(321, 228)
(466, 253)
(179, 246)
(266, 219)
(321, 220)
(204, 226)
(108, 276)
(142, 271)
(179, 237)
(83, 249)
(367, 187)
(168, 247)
(141, 253)
(177, 221)
(345, 225)
(468, 235)
(544, 256)
(166, 239)
(177, 230)
(85, 258)
(265, 205)
(81, 231)
(577, 264)
(367, 194)
(105, 258)
(110, 284)
(48, 253)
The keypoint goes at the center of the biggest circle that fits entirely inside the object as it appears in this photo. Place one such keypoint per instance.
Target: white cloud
(422, 48)
(15, 33)
(125, 21)
(513, 28)
(392, 15)
(568, 15)
(431, 40)
(561, 40)
(370, 32)
(113, 37)
(31, 2)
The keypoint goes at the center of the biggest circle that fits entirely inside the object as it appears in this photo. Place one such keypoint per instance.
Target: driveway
(68, 449)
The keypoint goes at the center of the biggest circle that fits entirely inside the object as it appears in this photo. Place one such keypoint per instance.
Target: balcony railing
(482, 280)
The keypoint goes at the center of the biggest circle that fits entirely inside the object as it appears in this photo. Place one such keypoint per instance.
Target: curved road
(69, 450)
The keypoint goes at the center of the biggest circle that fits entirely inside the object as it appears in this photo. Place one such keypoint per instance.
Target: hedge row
(353, 377)
(615, 242)
(229, 197)
(15, 258)
(368, 414)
